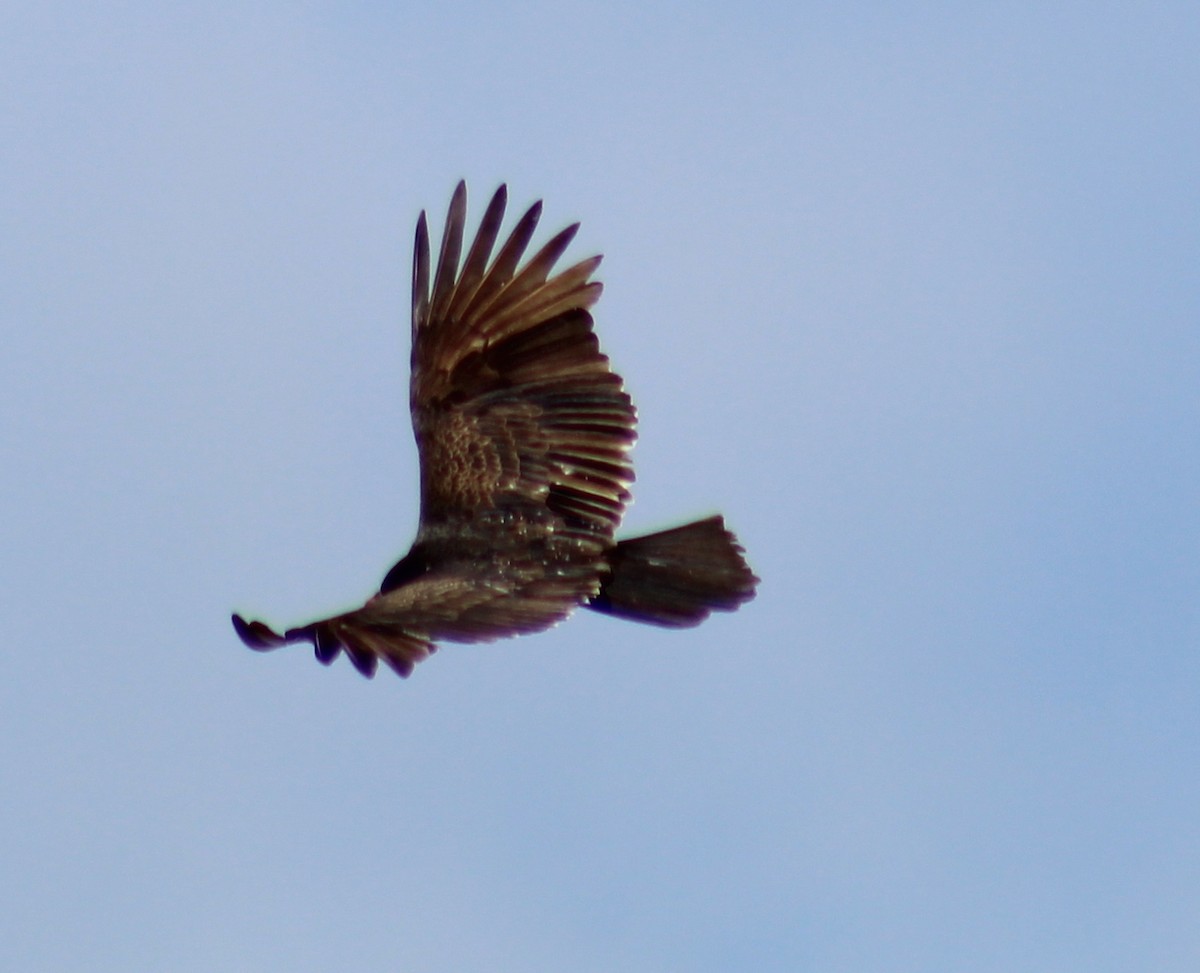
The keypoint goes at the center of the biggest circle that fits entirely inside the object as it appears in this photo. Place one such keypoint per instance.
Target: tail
(676, 577)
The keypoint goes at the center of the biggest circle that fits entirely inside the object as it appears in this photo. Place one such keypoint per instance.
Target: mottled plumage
(523, 431)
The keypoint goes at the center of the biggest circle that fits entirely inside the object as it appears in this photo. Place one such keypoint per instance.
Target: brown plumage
(523, 431)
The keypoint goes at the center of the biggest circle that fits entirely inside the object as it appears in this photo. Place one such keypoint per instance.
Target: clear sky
(911, 293)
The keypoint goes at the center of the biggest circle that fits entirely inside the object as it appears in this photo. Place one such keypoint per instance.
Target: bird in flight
(523, 432)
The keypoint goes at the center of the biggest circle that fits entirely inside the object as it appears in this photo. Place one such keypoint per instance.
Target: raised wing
(514, 406)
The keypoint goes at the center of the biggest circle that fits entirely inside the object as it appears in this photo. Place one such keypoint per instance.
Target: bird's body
(523, 431)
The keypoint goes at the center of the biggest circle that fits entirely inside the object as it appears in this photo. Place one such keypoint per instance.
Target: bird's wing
(512, 401)
(465, 604)
(522, 426)
(363, 644)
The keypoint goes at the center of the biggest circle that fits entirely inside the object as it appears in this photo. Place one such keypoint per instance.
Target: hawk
(523, 432)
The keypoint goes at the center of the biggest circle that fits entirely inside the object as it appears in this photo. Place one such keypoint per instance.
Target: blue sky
(909, 292)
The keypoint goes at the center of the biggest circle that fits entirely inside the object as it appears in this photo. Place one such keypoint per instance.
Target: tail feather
(676, 577)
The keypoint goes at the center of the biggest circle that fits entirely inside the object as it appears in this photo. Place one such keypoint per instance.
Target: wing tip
(256, 635)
